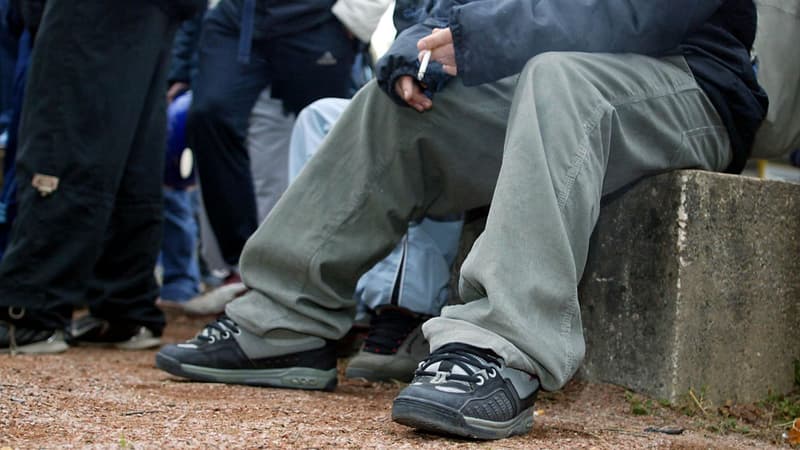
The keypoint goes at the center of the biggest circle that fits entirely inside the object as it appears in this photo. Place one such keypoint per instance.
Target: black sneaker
(466, 391)
(392, 349)
(30, 341)
(93, 331)
(225, 353)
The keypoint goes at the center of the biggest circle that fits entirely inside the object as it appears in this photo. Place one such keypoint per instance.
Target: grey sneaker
(14, 339)
(392, 349)
(223, 352)
(93, 331)
(466, 391)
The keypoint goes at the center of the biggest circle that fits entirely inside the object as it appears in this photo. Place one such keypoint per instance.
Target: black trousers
(94, 118)
(224, 93)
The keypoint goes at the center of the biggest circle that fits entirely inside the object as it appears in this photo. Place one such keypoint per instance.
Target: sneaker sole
(437, 419)
(290, 377)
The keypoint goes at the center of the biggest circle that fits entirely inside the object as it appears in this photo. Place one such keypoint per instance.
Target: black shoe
(31, 341)
(393, 348)
(225, 353)
(92, 331)
(466, 391)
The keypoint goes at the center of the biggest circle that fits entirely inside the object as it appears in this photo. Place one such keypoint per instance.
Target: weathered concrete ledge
(693, 282)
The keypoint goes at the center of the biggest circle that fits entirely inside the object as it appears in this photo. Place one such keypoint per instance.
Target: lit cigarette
(426, 58)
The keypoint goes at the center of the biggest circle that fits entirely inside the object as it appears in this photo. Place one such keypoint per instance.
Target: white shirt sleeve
(361, 17)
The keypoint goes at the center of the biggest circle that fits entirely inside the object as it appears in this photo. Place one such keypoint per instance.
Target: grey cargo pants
(543, 148)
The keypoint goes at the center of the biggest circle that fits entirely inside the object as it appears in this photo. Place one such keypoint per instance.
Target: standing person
(289, 54)
(553, 105)
(89, 171)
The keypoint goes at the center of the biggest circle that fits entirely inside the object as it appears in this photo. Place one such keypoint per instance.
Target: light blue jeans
(179, 259)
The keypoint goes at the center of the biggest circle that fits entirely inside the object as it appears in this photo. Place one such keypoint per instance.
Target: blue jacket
(494, 39)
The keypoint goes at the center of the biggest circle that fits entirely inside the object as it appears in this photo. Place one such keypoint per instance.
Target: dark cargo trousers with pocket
(92, 133)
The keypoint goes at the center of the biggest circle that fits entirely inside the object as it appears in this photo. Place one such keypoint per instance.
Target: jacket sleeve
(495, 38)
(361, 17)
(401, 58)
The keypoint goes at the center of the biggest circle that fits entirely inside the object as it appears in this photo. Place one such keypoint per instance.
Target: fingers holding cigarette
(438, 46)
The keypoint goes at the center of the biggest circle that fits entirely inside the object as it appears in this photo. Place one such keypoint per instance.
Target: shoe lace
(223, 328)
(476, 364)
(388, 330)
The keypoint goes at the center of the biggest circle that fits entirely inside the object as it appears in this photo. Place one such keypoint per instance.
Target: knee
(309, 115)
(558, 75)
(546, 65)
(203, 111)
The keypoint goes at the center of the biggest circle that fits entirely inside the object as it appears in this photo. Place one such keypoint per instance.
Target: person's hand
(176, 89)
(410, 91)
(440, 43)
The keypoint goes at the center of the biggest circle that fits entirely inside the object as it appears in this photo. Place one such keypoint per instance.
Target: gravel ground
(99, 398)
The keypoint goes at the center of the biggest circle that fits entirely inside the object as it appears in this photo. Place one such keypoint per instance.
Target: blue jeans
(179, 249)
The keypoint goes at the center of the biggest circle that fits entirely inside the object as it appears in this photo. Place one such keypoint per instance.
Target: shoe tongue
(215, 332)
(451, 368)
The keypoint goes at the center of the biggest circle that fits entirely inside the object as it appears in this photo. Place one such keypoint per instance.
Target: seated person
(551, 106)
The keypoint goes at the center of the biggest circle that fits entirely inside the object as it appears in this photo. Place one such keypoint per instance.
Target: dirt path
(111, 399)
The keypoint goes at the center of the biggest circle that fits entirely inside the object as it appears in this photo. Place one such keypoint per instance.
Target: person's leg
(402, 291)
(581, 126)
(345, 211)
(609, 121)
(353, 201)
(124, 288)
(425, 277)
(181, 278)
(209, 248)
(75, 148)
(312, 125)
(224, 93)
(268, 146)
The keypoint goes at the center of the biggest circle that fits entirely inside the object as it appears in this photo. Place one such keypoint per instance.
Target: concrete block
(693, 282)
